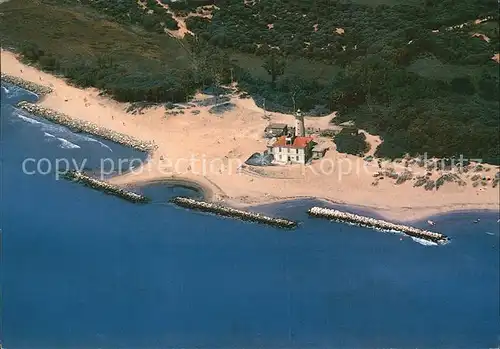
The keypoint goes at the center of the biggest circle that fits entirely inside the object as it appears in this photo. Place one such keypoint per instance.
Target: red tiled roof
(298, 142)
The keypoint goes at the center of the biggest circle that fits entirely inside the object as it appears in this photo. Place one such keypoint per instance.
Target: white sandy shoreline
(405, 214)
(237, 134)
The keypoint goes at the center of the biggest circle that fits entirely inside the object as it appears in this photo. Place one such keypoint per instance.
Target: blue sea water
(81, 269)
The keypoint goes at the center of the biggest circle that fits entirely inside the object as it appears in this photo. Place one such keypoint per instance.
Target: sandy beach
(209, 149)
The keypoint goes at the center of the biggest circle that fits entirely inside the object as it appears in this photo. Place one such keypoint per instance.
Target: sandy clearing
(181, 21)
(373, 140)
(219, 144)
(481, 36)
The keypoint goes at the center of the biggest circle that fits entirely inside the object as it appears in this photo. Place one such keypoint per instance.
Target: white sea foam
(51, 129)
(423, 241)
(54, 129)
(30, 92)
(489, 233)
(5, 89)
(27, 119)
(65, 144)
(45, 127)
(90, 139)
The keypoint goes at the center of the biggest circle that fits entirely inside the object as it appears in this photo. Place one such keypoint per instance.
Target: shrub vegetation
(394, 67)
(351, 141)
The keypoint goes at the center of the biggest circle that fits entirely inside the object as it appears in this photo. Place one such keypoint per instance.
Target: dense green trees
(130, 65)
(153, 17)
(309, 29)
(117, 79)
(351, 141)
(414, 112)
(186, 6)
(274, 65)
(399, 71)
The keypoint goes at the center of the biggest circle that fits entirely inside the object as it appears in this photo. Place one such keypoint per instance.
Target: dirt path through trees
(181, 21)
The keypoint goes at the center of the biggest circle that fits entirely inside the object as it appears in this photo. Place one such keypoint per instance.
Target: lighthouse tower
(300, 130)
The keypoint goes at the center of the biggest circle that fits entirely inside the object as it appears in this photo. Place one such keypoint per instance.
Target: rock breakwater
(104, 186)
(374, 223)
(85, 126)
(38, 89)
(232, 212)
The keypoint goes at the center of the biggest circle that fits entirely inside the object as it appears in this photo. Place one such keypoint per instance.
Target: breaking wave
(27, 119)
(50, 130)
(423, 241)
(90, 139)
(65, 144)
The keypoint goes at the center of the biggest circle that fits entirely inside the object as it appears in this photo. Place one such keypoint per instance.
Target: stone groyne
(85, 126)
(38, 89)
(378, 224)
(104, 186)
(232, 212)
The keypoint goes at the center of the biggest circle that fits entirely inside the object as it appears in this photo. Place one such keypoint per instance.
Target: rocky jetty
(38, 89)
(104, 186)
(86, 126)
(232, 212)
(378, 224)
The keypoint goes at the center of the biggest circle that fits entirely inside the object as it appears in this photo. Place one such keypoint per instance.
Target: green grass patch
(432, 68)
(66, 29)
(295, 67)
(91, 49)
(386, 2)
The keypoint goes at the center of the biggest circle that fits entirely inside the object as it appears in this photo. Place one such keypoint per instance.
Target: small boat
(431, 222)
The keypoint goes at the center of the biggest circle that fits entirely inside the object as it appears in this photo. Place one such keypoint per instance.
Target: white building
(292, 149)
(300, 130)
